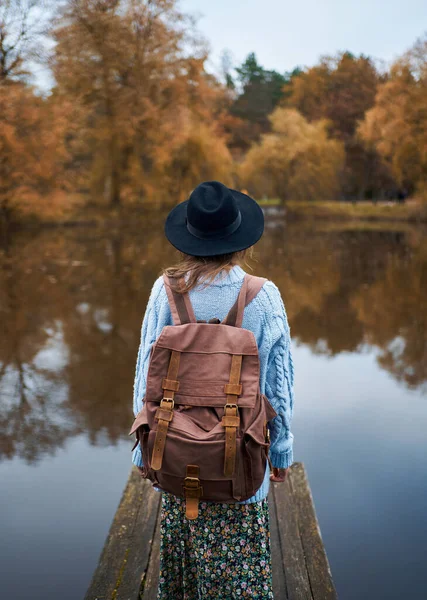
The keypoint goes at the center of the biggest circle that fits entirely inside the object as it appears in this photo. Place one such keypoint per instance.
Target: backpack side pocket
(140, 427)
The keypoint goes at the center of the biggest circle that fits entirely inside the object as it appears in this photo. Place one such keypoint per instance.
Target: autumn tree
(397, 125)
(32, 129)
(297, 160)
(136, 75)
(32, 151)
(202, 156)
(341, 89)
(89, 65)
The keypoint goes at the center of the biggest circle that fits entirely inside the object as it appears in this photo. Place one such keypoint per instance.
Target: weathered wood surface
(126, 555)
(303, 557)
(129, 564)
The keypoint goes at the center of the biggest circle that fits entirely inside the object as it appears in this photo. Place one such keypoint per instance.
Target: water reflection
(349, 290)
(71, 304)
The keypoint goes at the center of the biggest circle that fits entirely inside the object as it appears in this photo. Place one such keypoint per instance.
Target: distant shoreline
(411, 211)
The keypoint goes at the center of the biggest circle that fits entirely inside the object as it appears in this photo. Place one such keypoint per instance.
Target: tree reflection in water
(72, 301)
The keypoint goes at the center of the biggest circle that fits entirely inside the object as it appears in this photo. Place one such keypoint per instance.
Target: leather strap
(231, 419)
(170, 384)
(164, 413)
(193, 491)
(180, 304)
(254, 286)
(235, 315)
(249, 289)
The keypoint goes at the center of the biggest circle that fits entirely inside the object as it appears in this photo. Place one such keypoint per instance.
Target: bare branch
(23, 25)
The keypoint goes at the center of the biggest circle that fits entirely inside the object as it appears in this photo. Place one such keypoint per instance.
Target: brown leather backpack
(203, 426)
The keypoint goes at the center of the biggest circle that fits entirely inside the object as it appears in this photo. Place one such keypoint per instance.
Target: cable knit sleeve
(155, 317)
(279, 385)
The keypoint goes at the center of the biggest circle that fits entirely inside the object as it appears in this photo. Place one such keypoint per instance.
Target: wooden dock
(129, 563)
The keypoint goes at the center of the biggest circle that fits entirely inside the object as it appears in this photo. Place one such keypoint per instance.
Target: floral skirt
(223, 554)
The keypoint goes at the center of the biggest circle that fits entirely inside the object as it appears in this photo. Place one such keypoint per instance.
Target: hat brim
(249, 232)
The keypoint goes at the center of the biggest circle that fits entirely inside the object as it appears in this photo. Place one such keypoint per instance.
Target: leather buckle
(233, 419)
(192, 487)
(165, 413)
(195, 480)
(167, 400)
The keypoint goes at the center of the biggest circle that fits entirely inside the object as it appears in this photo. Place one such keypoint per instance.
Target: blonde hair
(204, 269)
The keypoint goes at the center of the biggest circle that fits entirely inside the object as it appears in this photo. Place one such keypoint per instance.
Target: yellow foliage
(202, 156)
(397, 125)
(296, 161)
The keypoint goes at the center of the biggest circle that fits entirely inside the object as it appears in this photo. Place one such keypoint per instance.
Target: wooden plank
(293, 559)
(279, 581)
(151, 580)
(141, 548)
(319, 572)
(124, 558)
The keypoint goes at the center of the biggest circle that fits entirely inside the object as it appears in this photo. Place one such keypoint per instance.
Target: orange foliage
(32, 148)
(341, 90)
(397, 125)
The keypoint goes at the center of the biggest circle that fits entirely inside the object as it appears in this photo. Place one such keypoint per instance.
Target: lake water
(71, 306)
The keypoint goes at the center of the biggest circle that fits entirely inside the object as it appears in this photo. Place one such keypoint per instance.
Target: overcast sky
(285, 33)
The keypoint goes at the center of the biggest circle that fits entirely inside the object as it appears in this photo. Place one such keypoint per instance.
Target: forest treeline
(135, 117)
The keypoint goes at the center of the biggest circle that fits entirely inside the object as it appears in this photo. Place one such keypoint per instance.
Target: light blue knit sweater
(266, 317)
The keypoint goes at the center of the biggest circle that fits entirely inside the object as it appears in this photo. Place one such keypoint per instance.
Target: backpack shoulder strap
(254, 286)
(250, 287)
(180, 304)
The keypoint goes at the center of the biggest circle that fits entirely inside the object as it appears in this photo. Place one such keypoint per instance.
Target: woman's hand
(279, 475)
(142, 472)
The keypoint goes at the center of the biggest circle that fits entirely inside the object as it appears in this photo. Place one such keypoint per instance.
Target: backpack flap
(269, 410)
(206, 351)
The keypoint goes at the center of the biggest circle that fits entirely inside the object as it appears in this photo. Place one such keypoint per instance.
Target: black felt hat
(214, 220)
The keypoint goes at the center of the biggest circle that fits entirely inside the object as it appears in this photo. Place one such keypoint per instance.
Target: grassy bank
(412, 211)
